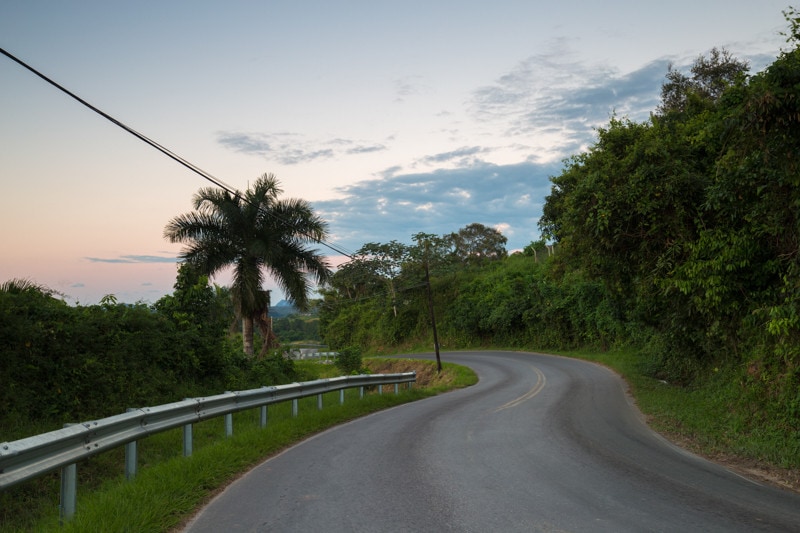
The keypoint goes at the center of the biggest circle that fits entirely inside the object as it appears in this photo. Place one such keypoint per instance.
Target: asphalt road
(541, 443)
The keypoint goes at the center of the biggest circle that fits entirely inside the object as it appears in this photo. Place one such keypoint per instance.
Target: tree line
(378, 302)
(678, 235)
(62, 362)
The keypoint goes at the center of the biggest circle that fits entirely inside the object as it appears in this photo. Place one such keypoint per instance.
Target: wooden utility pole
(433, 317)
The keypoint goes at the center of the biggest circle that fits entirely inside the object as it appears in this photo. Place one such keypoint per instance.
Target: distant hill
(282, 309)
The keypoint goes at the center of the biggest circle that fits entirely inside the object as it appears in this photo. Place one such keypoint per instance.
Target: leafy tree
(384, 262)
(372, 267)
(354, 279)
(193, 300)
(476, 243)
(746, 264)
(711, 76)
(630, 210)
(200, 315)
(258, 234)
(436, 251)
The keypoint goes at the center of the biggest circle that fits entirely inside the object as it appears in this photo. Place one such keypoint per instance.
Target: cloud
(558, 101)
(77, 285)
(294, 149)
(459, 154)
(245, 142)
(546, 108)
(440, 202)
(409, 86)
(134, 259)
(367, 149)
(551, 97)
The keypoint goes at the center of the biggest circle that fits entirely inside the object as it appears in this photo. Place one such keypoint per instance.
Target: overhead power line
(164, 150)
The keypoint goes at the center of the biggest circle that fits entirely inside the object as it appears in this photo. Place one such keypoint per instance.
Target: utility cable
(169, 153)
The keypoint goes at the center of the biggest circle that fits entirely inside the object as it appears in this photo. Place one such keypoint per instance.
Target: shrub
(349, 360)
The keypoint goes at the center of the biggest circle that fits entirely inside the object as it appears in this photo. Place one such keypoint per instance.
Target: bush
(349, 360)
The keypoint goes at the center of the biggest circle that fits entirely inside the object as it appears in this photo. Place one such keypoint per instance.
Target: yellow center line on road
(537, 388)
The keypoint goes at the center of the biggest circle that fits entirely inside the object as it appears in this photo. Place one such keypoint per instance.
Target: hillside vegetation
(676, 239)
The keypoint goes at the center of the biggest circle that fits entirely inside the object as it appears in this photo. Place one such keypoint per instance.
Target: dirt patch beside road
(426, 370)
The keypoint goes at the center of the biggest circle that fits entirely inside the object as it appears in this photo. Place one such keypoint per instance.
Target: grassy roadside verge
(709, 420)
(169, 488)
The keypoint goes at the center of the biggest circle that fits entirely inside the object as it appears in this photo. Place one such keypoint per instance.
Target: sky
(390, 118)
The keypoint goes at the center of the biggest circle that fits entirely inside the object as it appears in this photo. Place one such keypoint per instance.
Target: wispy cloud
(366, 149)
(133, 259)
(554, 97)
(547, 107)
(509, 197)
(547, 95)
(408, 86)
(462, 154)
(292, 148)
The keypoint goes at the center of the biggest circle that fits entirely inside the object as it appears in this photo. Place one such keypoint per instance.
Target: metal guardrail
(31, 457)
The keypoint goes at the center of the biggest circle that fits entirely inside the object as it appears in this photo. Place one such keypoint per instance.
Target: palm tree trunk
(264, 323)
(247, 335)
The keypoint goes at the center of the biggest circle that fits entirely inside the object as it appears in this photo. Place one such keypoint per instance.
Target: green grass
(168, 487)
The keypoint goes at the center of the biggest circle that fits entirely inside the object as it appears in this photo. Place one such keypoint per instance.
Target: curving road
(541, 443)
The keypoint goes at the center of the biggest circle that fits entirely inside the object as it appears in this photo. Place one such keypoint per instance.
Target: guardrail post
(361, 392)
(69, 489)
(229, 425)
(130, 456)
(187, 440)
(294, 408)
(397, 388)
(130, 460)
(380, 389)
(409, 384)
(341, 396)
(262, 418)
(228, 421)
(319, 402)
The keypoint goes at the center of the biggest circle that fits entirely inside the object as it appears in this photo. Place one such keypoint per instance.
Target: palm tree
(257, 234)
(24, 285)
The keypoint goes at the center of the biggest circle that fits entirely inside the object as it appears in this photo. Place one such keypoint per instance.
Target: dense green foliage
(678, 236)
(378, 300)
(64, 364)
(515, 302)
(349, 360)
(691, 221)
(295, 328)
